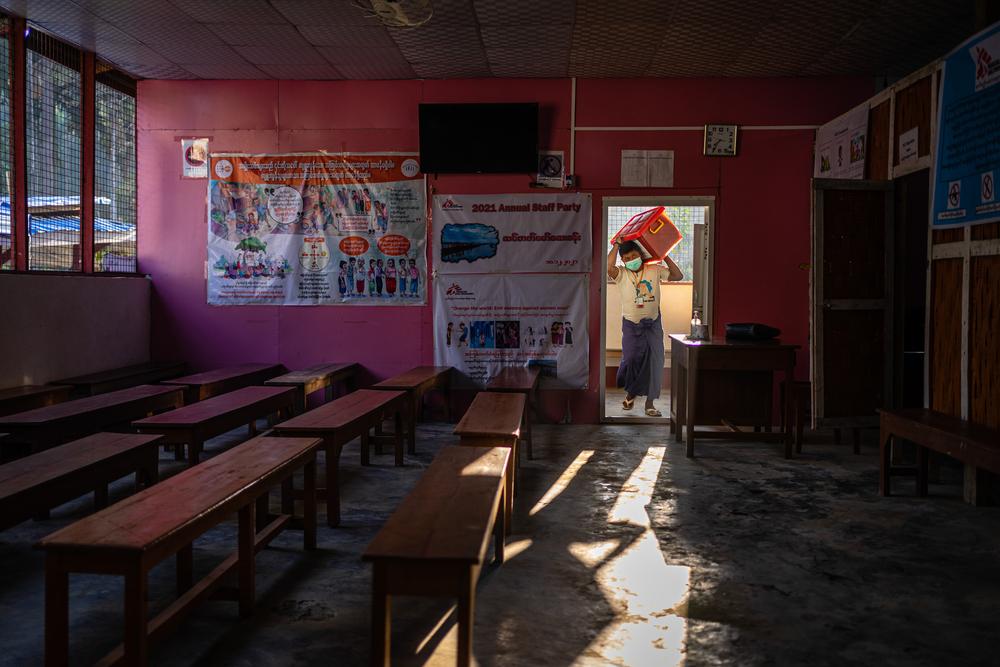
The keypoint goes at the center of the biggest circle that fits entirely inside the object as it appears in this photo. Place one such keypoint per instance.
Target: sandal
(627, 404)
(653, 412)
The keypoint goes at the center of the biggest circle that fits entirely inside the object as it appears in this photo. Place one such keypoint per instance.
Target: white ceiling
(335, 39)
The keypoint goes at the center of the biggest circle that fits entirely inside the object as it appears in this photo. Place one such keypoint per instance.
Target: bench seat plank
(221, 380)
(38, 483)
(122, 378)
(321, 376)
(52, 425)
(31, 396)
(197, 422)
(339, 422)
(523, 380)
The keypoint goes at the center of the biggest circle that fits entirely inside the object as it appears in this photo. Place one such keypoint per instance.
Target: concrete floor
(613, 398)
(624, 552)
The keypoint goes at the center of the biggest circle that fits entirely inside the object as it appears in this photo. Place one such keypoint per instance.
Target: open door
(851, 346)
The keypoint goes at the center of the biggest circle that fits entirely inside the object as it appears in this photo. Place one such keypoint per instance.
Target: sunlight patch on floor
(564, 480)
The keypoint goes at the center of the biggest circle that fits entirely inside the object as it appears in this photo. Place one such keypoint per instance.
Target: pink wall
(762, 215)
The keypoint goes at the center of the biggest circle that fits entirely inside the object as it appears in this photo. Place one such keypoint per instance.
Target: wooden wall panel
(853, 244)
(913, 109)
(984, 341)
(854, 358)
(990, 230)
(946, 336)
(877, 157)
(954, 235)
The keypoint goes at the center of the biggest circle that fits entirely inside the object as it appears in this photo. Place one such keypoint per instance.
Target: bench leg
(381, 617)
(194, 452)
(263, 511)
(508, 494)
(412, 426)
(922, 456)
(150, 472)
(527, 427)
(185, 568)
(178, 452)
(466, 615)
(398, 440)
(101, 496)
(366, 443)
(309, 505)
(885, 453)
(332, 486)
(56, 613)
(246, 562)
(500, 530)
(856, 436)
(136, 637)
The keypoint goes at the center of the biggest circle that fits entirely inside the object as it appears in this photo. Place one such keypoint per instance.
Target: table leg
(332, 486)
(56, 613)
(681, 399)
(185, 568)
(466, 616)
(381, 617)
(136, 636)
(412, 443)
(246, 563)
(398, 437)
(691, 399)
(309, 505)
(786, 406)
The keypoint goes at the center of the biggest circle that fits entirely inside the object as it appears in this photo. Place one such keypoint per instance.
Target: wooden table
(521, 380)
(494, 420)
(31, 396)
(132, 536)
(193, 424)
(92, 384)
(46, 427)
(728, 382)
(220, 380)
(436, 541)
(339, 422)
(416, 382)
(35, 484)
(323, 376)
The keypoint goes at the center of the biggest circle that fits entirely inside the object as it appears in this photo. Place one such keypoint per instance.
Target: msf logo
(456, 290)
(983, 62)
(450, 205)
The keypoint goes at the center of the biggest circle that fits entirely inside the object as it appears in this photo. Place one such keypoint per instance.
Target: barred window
(114, 173)
(6, 163)
(52, 124)
(683, 217)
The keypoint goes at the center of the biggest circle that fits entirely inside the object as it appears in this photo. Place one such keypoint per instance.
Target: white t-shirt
(640, 291)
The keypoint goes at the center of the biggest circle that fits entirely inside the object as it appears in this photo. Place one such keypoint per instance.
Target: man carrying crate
(641, 369)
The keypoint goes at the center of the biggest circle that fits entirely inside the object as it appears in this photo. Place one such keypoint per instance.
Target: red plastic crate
(653, 231)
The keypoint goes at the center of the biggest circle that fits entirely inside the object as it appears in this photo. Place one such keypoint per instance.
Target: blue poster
(968, 149)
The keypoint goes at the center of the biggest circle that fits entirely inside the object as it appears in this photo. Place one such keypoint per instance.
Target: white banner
(483, 323)
(307, 229)
(841, 145)
(543, 233)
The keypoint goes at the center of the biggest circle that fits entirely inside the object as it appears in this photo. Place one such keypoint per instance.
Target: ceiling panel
(508, 38)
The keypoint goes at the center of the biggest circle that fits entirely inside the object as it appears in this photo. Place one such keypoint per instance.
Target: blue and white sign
(968, 149)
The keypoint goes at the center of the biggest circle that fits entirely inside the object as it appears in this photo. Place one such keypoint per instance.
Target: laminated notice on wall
(647, 169)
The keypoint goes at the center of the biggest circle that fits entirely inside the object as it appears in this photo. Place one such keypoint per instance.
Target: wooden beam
(87, 117)
(19, 142)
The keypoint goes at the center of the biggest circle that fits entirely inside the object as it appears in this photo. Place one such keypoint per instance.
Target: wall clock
(720, 140)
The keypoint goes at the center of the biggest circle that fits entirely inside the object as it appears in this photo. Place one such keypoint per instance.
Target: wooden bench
(129, 538)
(976, 446)
(46, 427)
(193, 424)
(339, 422)
(221, 380)
(521, 380)
(416, 382)
(323, 376)
(494, 420)
(435, 543)
(35, 484)
(31, 396)
(122, 378)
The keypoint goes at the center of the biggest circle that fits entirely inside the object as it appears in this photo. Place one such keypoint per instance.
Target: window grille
(6, 155)
(114, 173)
(52, 124)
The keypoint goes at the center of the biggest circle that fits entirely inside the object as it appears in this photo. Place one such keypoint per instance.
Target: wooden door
(851, 346)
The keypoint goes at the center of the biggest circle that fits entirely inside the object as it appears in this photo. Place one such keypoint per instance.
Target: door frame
(706, 289)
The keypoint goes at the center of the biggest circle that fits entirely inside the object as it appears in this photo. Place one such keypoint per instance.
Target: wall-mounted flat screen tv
(479, 138)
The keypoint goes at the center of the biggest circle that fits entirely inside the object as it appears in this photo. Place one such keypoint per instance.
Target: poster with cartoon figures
(483, 323)
(522, 233)
(309, 229)
(841, 146)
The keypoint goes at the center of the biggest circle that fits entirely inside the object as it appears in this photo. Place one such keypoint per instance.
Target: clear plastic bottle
(696, 324)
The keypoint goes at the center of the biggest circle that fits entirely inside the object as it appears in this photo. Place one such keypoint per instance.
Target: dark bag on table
(750, 331)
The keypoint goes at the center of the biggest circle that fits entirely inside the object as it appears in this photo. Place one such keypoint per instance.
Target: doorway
(694, 217)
